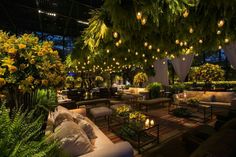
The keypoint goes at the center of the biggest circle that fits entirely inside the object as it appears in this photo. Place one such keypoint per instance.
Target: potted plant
(154, 90)
(140, 78)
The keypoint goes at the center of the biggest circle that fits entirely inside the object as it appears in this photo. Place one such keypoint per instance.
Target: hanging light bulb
(115, 35)
(183, 58)
(164, 62)
(186, 13)
(218, 32)
(177, 41)
(136, 53)
(113, 59)
(221, 23)
(166, 53)
(150, 47)
(125, 59)
(200, 41)
(152, 66)
(143, 55)
(185, 43)
(181, 43)
(226, 40)
(139, 15)
(158, 50)
(143, 21)
(190, 30)
(117, 44)
(145, 44)
(108, 50)
(153, 57)
(219, 47)
(120, 41)
(128, 50)
(191, 47)
(145, 60)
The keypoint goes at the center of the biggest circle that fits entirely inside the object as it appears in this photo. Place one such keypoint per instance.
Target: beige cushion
(87, 128)
(73, 140)
(100, 111)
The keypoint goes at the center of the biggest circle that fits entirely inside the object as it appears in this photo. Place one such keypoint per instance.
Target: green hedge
(216, 84)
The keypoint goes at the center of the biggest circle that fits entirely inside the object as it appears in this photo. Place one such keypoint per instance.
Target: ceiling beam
(39, 16)
(68, 19)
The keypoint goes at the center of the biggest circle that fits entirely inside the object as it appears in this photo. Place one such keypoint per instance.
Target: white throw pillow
(88, 129)
(73, 139)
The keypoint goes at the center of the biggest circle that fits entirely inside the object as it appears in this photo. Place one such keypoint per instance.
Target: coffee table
(140, 135)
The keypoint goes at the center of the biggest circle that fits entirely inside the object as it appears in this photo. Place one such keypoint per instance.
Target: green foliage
(208, 73)
(177, 88)
(45, 100)
(154, 89)
(140, 78)
(216, 84)
(21, 136)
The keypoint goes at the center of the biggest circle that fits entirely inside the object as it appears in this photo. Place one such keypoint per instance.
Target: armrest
(81, 110)
(121, 149)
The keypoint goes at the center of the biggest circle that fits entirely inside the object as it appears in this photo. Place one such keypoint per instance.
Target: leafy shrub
(177, 88)
(154, 90)
(140, 78)
(21, 136)
(207, 73)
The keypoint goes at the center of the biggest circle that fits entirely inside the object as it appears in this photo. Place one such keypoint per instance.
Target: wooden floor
(170, 126)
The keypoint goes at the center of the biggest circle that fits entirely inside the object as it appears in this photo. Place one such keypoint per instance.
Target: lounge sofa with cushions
(216, 99)
(97, 145)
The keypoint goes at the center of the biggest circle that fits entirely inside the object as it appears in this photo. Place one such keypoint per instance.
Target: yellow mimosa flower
(30, 79)
(12, 50)
(21, 46)
(7, 61)
(2, 81)
(45, 82)
(2, 71)
(12, 68)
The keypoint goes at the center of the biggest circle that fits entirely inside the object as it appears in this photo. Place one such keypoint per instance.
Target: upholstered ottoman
(98, 112)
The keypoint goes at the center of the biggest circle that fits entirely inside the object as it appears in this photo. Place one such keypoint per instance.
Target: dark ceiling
(33, 15)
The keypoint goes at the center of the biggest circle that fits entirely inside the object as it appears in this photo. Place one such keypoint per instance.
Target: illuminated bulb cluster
(145, 44)
(218, 32)
(190, 30)
(139, 16)
(185, 14)
(220, 23)
(115, 35)
(150, 47)
(226, 40)
(143, 21)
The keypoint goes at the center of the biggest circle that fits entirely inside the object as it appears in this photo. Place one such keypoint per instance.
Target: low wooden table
(147, 103)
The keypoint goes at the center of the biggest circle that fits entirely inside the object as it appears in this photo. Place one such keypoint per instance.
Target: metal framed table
(140, 135)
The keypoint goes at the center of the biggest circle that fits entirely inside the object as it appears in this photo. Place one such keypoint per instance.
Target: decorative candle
(152, 122)
(147, 122)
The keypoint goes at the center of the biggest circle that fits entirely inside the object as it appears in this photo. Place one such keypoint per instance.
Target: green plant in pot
(140, 78)
(154, 89)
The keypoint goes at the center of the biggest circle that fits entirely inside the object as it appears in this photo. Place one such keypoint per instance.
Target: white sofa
(216, 99)
(103, 146)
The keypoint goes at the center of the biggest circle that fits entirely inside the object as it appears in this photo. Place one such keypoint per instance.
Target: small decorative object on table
(123, 110)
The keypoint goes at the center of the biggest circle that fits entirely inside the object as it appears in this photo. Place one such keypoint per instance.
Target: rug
(170, 127)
